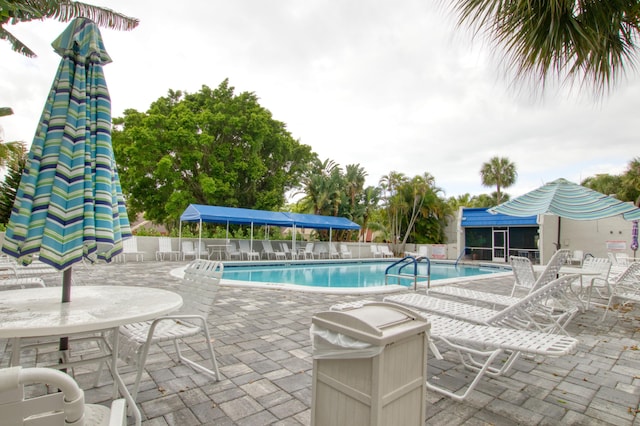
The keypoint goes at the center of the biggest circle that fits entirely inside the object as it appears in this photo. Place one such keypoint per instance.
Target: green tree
(8, 150)
(16, 163)
(587, 41)
(498, 171)
(211, 147)
(630, 182)
(604, 183)
(415, 209)
(16, 11)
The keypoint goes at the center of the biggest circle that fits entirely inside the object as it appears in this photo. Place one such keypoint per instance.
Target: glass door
(499, 245)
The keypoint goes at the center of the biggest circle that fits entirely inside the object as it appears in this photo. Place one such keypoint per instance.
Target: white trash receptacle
(369, 366)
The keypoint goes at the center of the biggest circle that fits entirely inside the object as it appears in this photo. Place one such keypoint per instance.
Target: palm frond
(16, 45)
(577, 40)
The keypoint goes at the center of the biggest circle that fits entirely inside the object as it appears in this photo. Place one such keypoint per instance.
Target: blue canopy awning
(480, 217)
(240, 216)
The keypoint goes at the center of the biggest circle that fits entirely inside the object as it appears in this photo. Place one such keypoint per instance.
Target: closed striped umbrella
(69, 204)
(568, 200)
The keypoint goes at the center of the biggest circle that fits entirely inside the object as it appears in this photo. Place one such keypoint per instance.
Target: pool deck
(264, 352)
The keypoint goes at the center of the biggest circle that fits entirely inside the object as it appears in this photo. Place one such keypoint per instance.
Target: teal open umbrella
(567, 200)
(69, 203)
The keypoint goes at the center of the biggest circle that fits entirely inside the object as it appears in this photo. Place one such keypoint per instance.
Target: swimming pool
(347, 275)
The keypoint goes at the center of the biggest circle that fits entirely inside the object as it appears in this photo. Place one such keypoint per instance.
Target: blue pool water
(349, 275)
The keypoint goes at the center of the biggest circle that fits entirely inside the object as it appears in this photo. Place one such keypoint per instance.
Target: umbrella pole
(63, 345)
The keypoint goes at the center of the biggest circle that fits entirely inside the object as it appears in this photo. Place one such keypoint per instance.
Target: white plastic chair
(345, 253)
(333, 251)
(288, 253)
(36, 407)
(164, 247)
(269, 252)
(626, 287)
(308, 252)
(130, 246)
(384, 249)
(198, 290)
(189, 249)
(375, 251)
(246, 250)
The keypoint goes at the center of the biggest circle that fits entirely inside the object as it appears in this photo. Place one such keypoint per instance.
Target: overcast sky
(393, 86)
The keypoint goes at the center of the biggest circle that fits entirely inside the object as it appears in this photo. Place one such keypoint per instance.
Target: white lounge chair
(545, 309)
(345, 253)
(191, 249)
(333, 251)
(247, 251)
(523, 273)
(198, 290)
(164, 248)
(375, 251)
(626, 287)
(422, 252)
(270, 253)
(22, 404)
(483, 349)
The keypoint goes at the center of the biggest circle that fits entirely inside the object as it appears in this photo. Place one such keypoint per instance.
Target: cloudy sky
(393, 86)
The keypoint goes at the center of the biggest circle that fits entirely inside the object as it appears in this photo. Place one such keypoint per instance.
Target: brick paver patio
(264, 351)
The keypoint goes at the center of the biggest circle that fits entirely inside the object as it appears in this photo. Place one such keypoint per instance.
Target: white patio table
(38, 312)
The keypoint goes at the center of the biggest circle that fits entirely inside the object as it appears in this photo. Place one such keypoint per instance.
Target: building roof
(480, 217)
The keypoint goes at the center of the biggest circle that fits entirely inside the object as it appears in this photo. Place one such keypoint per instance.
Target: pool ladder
(403, 263)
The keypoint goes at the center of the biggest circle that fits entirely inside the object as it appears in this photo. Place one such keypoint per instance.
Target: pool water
(346, 275)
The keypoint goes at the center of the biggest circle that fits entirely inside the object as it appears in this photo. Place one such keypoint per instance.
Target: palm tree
(9, 150)
(499, 171)
(16, 11)
(591, 41)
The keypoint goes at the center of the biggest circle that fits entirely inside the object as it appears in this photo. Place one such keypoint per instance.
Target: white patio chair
(576, 257)
(270, 253)
(24, 400)
(246, 250)
(422, 252)
(130, 247)
(526, 279)
(308, 251)
(164, 248)
(333, 251)
(189, 250)
(198, 290)
(375, 251)
(320, 251)
(597, 283)
(233, 252)
(545, 309)
(345, 253)
(289, 254)
(483, 349)
(523, 271)
(625, 287)
(384, 249)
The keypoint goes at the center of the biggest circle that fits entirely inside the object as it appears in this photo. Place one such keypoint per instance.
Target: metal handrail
(408, 261)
